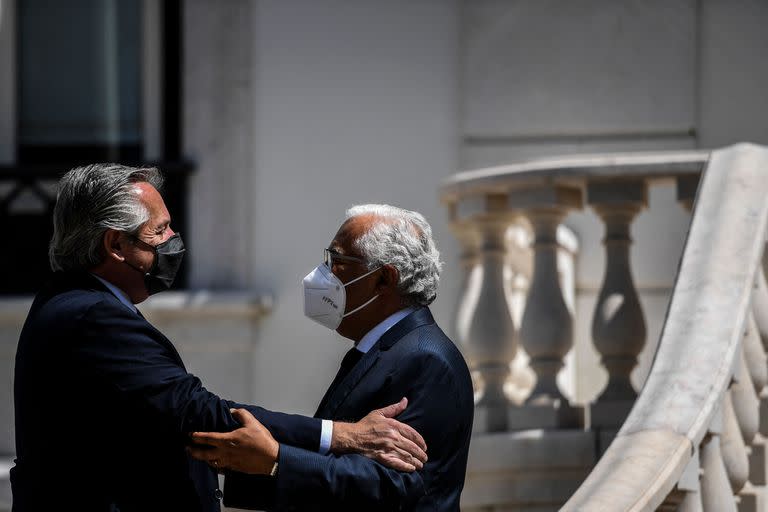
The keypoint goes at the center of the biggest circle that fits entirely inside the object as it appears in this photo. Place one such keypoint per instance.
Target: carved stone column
(716, 492)
(489, 342)
(468, 237)
(746, 404)
(618, 324)
(546, 331)
(760, 307)
(754, 498)
(686, 190)
(687, 494)
(733, 448)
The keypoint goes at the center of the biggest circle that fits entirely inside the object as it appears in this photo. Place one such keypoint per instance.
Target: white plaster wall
(733, 75)
(354, 102)
(554, 67)
(218, 136)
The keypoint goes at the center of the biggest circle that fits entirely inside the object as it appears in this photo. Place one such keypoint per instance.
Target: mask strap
(361, 277)
(358, 308)
(137, 269)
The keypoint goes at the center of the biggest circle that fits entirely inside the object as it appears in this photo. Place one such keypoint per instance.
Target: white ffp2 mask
(325, 296)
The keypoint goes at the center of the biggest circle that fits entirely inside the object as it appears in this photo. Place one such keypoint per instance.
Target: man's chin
(342, 330)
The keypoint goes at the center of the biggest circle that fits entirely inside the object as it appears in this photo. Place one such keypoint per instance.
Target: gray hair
(403, 239)
(91, 200)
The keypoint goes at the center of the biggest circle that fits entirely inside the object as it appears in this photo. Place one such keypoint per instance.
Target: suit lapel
(332, 401)
(95, 284)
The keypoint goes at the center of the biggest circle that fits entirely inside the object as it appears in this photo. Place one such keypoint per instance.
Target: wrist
(341, 440)
(274, 469)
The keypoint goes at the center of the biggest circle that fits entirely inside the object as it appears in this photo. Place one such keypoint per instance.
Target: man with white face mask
(377, 278)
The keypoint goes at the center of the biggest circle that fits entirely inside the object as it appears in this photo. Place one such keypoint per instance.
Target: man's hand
(380, 437)
(249, 449)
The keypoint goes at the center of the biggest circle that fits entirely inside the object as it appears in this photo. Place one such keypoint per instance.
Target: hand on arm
(249, 449)
(380, 437)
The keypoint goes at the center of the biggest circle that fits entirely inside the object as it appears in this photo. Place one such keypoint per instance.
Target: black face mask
(168, 256)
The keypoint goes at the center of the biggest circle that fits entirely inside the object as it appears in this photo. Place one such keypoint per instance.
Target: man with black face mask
(104, 405)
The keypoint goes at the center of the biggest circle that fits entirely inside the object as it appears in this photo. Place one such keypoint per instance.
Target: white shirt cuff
(326, 435)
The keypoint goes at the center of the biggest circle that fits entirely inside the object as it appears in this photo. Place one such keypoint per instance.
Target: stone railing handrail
(700, 343)
(665, 164)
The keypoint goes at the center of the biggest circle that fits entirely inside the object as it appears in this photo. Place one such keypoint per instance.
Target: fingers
(244, 417)
(408, 458)
(393, 410)
(410, 434)
(204, 454)
(413, 450)
(394, 462)
(212, 438)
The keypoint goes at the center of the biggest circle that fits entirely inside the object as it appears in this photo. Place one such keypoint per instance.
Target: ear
(113, 245)
(389, 278)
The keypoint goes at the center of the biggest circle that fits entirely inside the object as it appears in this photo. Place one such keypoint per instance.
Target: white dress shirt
(364, 345)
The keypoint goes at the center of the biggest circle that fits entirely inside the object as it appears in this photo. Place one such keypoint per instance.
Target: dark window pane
(79, 73)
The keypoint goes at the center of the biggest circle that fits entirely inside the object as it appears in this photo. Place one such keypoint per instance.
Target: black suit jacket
(103, 407)
(413, 359)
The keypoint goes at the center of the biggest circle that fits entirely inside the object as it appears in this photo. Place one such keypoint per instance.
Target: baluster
(546, 331)
(687, 494)
(760, 308)
(753, 499)
(490, 336)
(691, 503)
(686, 190)
(746, 404)
(733, 448)
(716, 493)
(469, 241)
(618, 325)
(760, 328)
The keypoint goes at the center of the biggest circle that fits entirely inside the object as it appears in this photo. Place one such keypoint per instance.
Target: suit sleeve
(126, 354)
(310, 480)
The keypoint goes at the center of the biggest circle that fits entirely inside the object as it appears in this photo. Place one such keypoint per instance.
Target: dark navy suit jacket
(413, 359)
(103, 407)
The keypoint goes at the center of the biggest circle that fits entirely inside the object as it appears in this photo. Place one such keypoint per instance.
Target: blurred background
(271, 117)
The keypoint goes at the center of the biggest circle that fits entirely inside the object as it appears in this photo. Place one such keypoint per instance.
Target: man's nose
(169, 232)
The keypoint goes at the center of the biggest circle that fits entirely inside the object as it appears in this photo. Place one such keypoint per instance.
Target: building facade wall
(295, 110)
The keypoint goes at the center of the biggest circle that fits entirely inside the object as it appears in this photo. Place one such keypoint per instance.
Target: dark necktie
(350, 360)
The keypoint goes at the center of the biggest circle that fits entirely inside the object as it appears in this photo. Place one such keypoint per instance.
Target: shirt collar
(372, 336)
(117, 292)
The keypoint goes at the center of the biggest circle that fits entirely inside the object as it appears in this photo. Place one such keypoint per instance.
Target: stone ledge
(206, 304)
(534, 468)
(170, 305)
(531, 449)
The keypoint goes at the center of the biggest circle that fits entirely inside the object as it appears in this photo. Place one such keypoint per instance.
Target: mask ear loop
(360, 277)
(358, 308)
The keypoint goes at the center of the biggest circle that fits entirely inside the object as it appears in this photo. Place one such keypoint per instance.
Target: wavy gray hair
(90, 200)
(403, 239)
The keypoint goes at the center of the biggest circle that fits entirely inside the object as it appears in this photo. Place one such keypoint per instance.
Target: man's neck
(374, 334)
(116, 291)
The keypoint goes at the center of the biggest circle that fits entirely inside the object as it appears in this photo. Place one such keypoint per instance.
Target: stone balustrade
(695, 437)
